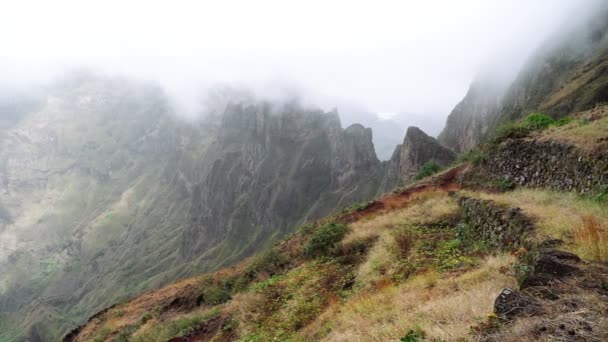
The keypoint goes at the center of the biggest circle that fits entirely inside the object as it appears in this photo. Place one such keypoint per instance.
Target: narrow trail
(446, 181)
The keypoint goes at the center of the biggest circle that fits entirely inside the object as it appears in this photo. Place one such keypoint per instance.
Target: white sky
(402, 56)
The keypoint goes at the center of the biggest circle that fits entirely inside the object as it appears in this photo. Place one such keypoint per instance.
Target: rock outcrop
(408, 158)
(499, 227)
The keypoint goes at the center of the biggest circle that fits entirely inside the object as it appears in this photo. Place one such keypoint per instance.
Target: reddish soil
(446, 181)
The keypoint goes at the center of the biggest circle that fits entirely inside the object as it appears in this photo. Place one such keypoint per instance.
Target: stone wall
(548, 164)
(498, 226)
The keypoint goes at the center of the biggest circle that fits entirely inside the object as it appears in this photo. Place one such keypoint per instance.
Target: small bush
(414, 335)
(216, 295)
(270, 262)
(324, 239)
(537, 121)
(505, 185)
(430, 168)
(509, 130)
(146, 317)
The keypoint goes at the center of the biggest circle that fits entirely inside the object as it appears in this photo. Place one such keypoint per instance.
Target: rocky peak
(417, 149)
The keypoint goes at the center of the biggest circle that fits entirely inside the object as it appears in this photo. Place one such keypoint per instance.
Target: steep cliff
(567, 74)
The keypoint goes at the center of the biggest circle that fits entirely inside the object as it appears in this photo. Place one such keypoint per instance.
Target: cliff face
(417, 149)
(468, 122)
(567, 74)
(270, 169)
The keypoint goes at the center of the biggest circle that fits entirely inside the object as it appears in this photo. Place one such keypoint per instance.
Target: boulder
(510, 304)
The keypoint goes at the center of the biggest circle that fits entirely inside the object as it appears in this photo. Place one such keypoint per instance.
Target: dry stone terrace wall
(549, 164)
(498, 226)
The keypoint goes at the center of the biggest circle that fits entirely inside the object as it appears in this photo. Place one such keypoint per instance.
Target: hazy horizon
(392, 60)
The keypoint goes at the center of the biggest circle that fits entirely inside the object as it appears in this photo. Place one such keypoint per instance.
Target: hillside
(565, 75)
(105, 193)
(481, 251)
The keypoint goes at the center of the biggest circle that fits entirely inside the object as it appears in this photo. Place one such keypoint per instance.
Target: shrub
(537, 121)
(414, 335)
(146, 317)
(430, 168)
(324, 239)
(216, 295)
(505, 185)
(271, 262)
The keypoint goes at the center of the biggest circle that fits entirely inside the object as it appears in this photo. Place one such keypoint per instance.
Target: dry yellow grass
(443, 307)
(425, 207)
(592, 238)
(565, 216)
(587, 137)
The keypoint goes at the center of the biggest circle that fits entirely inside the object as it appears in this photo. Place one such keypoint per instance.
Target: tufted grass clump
(473, 156)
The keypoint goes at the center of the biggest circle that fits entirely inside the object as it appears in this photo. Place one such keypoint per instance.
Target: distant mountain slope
(568, 73)
(104, 193)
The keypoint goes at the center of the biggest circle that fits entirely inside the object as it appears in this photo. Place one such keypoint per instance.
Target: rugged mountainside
(565, 75)
(104, 193)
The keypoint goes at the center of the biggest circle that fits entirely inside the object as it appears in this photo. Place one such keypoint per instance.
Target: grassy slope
(395, 257)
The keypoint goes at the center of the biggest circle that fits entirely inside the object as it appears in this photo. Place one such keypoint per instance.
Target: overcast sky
(390, 57)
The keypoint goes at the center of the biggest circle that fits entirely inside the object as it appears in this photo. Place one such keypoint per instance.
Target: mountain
(565, 75)
(510, 247)
(106, 193)
(408, 158)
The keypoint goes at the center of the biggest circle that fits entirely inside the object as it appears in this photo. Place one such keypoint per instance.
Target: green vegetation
(324, 239)
(602, 195)
(414, 335)
(270, 262)
(505, 185)
(430, 168)
(216, 295)
(531, 123)
(473, 156)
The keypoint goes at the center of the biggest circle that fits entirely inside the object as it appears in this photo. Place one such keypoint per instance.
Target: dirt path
(446, 181)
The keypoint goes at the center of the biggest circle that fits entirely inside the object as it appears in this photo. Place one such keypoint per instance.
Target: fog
(411, 61)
